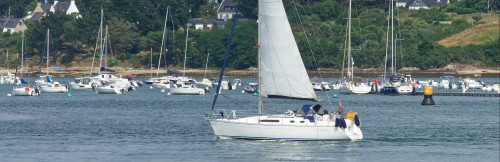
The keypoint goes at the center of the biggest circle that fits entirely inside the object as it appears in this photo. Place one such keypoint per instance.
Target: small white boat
(54, 87)
(109, 89)
(187, 90)
(81, 84)
(25, 91)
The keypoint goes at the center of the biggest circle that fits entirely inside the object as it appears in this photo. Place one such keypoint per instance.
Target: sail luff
(282, 71)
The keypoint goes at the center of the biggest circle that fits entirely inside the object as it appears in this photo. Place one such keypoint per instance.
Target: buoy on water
(255, 94)
(8, 94)
(334, 95)
(69, 95)
(428, 96)
(150, 87)
(168, 93)
(162, 90)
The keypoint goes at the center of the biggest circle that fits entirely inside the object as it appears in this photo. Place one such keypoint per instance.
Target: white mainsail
(281, 71)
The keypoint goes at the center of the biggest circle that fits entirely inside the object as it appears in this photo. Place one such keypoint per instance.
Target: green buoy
(69, 95)
(334, 96)
(255, 94)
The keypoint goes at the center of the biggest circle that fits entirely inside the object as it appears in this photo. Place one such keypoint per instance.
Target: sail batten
(282, 71)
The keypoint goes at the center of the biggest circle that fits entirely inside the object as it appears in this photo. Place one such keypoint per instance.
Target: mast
(106, 41)
(387, 44)
(349, 58)
(48, 51)
(259, 85)
(22, 54)
(100, 43)
(151, 62)
(7, 59)
(185, 52)
(162, 39)
(392, 36)
(206, 66)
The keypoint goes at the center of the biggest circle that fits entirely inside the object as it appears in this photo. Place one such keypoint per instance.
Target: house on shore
(42, 8)
(203, 24)
(227, 10)
(12, 25)
(418, 4)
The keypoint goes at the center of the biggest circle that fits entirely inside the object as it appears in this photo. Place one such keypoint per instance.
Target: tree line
(135, 27)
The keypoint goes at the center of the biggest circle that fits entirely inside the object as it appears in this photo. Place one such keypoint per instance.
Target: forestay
(281, 69)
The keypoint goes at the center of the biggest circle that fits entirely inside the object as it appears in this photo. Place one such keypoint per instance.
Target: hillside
(476, 34)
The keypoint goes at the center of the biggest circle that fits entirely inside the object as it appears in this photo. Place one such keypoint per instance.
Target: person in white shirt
(326, 117)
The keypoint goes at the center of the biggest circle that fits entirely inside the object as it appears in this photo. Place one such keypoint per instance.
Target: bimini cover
(23, 81)
(48, 79)
(107, 70)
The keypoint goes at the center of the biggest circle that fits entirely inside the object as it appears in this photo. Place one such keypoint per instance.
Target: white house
(226, 10)
(418, 4)
(42, 9)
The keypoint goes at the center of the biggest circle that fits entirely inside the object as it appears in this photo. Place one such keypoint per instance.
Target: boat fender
(344, 125)
(337, 122)
(356, 120)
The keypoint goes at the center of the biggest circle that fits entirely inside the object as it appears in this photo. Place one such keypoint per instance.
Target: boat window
(301, 121)
(292, 121)
(272, 121)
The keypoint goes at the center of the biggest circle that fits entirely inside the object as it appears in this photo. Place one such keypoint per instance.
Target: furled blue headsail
(23, 81)
(107, 70)
(48, 79)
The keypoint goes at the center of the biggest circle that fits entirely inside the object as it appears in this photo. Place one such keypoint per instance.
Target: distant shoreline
(329, 73)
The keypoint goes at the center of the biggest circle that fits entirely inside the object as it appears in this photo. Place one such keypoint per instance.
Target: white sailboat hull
(363, 89)
(187, 91)
(79, 86)
(405, 89)
(249, 128)
(24, 91)
(50, 89)
(161, 86)
(109, 90)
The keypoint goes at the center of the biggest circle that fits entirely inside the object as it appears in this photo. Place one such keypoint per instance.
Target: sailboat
(9, 78)
(183, 87)
(165, 82)
(205, 81)
(107, 83)
(48, 85)
(398, 83)
(356, 85)
(281, 74)
(21, 90)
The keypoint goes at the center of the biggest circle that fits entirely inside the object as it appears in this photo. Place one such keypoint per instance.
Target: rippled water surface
(147, 125)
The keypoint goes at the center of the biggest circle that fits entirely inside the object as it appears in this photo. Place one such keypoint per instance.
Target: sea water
(148, 125)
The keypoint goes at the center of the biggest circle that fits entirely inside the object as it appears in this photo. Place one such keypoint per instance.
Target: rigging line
(387, 44)
(361, 34)
(314, 58)
(317, 41)
(345, 46)
(227, 53)
(43, 56)
(95, 51)
(236, 102)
